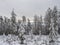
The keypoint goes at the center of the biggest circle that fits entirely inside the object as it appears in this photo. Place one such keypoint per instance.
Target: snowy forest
(42, 31)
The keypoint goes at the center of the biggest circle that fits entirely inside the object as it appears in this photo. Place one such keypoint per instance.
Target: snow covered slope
(29, 40)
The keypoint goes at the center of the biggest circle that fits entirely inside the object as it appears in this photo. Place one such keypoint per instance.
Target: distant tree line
(39, 26)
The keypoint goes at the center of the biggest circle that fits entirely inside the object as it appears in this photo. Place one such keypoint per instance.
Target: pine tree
(24, 23)
(47, 20)
(28, 26)
(13, 18)
(54, 27)
(54, 15)
(36, 25)
(40, 25)
(13, 21)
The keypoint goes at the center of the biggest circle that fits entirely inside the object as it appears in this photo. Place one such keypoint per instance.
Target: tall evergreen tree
(40, 25)
(47, 20)
(54, 27)
(54, 16)
(13, 21)
(36, 28)
(13, 18)
(28, 26)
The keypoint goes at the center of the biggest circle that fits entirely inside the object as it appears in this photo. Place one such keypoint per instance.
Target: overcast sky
(26, 7)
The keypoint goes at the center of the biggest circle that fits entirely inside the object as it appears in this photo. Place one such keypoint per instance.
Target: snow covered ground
(29, 40)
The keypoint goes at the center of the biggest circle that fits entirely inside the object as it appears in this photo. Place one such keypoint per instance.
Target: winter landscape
(35, 30)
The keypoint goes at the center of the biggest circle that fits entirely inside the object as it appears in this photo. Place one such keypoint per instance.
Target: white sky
(26, 7)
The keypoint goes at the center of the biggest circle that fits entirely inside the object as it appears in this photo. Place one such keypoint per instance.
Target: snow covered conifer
(53, 26)
(13, 18)
(47, 20)
(36, 27)
(28, 26)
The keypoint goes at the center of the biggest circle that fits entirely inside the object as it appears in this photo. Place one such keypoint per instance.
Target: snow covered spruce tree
(24, 23)
(40, 25)
(6, 27)
(13, 22)
(53, 26)
(21, 32)
(35, 30)
(37, 25)
(54, 15)
(28, 27)
(13, 18)
(47, 20)
(18, 25)
(21, 29)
